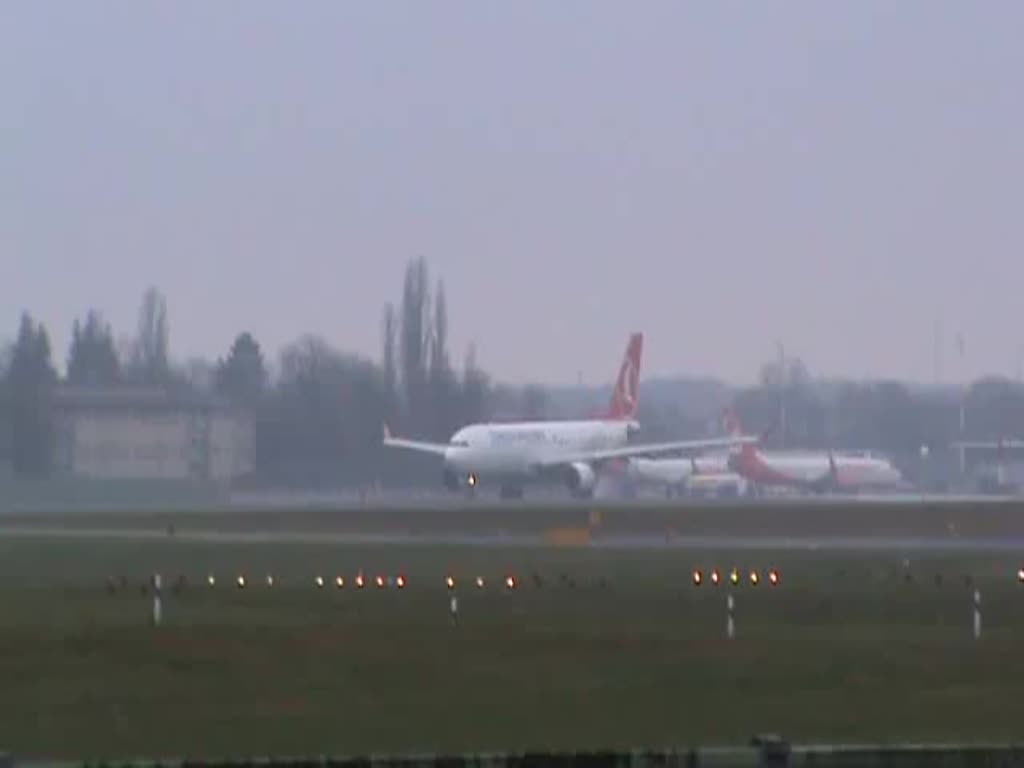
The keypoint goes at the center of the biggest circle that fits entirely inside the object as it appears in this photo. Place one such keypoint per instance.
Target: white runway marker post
(453, 608)
(977, 614)
(157, 605)
(730, 624)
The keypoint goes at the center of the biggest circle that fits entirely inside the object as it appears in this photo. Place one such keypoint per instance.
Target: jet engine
(581, 479)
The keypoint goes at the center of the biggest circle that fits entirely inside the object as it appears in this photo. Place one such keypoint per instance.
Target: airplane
(707, 475)
(815, 471)
(516, 453)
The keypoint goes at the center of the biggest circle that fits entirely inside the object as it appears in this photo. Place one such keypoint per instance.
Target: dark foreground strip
(767, 752)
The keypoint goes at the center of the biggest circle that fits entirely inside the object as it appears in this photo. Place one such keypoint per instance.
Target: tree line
(917, 426)
(318, 415)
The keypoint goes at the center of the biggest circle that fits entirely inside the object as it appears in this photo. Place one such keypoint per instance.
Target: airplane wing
(438, 449)
(1010, 443)
(649, 449)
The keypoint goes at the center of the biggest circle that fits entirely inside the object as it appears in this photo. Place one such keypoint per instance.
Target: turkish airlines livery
(816, 471)
(514, 454)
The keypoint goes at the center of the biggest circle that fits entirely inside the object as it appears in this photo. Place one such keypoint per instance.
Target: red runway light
(773, 577)
(400, 581)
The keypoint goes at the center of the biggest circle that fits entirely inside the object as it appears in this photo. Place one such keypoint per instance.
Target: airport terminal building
(149, 434)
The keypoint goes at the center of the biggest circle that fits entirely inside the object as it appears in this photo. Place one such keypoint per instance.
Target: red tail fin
(731, 422)
(626, 396)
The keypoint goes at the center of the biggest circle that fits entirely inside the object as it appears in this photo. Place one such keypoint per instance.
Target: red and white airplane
(816, 471)
(516, 453)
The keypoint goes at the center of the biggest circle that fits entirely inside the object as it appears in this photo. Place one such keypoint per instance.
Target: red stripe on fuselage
(753, 466)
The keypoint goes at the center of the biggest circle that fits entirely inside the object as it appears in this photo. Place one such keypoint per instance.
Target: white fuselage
(514, 449)
(676, 471)
(709, 473)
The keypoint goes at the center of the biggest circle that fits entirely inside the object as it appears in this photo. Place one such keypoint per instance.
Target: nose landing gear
(458, 482)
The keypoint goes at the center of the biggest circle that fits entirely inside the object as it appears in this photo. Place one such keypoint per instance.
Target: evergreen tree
(30, 381)
(242, 377)
(93, 360)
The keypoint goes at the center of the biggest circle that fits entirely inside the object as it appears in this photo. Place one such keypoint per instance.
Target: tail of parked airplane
(731, 422)
(626, 395)
(733, 428)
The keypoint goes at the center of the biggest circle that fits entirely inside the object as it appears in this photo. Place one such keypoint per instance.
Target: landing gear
(461, 483)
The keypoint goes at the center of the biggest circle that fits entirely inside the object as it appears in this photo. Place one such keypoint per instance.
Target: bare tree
(150, 362)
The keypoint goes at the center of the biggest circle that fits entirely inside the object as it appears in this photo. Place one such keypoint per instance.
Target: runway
(946, 544)
(427, 501)
(873, 524)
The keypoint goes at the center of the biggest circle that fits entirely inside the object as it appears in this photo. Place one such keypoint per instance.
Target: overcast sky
(723, 176)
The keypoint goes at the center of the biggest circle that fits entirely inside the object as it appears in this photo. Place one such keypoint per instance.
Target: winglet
(731, 422)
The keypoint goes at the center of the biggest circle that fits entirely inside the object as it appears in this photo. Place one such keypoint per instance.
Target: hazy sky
(720, 175)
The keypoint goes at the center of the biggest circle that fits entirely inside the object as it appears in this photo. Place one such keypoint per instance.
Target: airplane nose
(452, 459)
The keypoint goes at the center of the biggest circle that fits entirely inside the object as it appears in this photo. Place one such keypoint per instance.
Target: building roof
(155, 398)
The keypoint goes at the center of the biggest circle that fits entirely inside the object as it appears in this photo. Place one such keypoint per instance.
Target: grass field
(607, 649)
